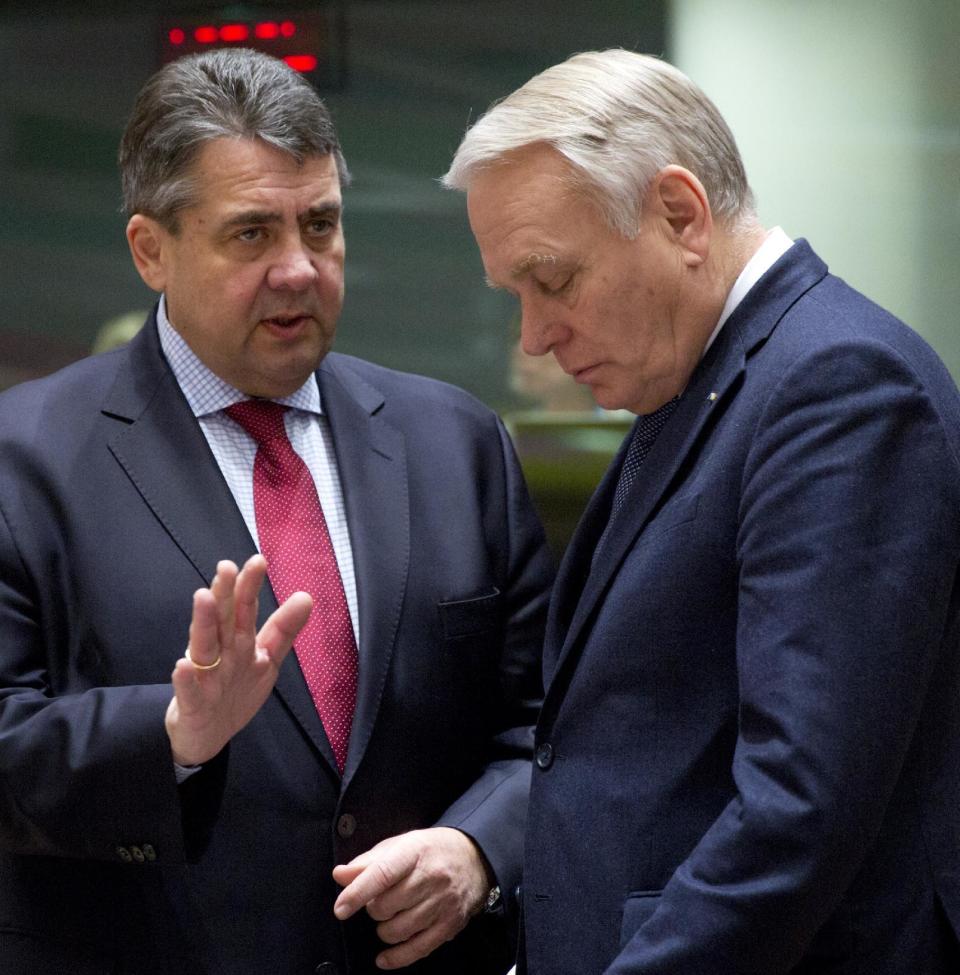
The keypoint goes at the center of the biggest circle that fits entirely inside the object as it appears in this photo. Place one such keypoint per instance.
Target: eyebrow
(531, 261)
(248, 217)
(524, 267)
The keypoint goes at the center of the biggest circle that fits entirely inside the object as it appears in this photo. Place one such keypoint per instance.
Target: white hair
(618, 118)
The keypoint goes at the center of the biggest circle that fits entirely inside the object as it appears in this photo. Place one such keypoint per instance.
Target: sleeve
(83, 774)
(493, 809)
(848, 554)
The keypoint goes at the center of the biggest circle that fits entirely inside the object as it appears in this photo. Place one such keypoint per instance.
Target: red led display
(302, 39)
(301, 62)
(234, 32)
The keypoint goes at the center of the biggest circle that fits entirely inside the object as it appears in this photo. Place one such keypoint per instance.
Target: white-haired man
(748, 760)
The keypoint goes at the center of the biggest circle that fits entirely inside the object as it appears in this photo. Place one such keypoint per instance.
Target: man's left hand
(422, 887)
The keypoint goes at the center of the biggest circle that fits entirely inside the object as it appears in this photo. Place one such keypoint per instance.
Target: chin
(276, 386)
(608, 400)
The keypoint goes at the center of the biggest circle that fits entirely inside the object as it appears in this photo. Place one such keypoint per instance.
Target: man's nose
(538, 333)
(293, 269)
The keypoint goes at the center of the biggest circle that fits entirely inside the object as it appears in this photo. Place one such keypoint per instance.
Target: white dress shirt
(774, 246)
(234, 449)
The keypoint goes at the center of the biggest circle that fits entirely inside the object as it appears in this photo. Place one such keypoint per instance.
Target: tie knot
(261, 418)
(649, 425)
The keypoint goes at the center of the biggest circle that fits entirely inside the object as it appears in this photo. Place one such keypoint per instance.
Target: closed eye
(556, 286)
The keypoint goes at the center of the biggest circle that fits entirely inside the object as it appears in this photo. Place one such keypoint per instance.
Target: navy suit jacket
(112, 512)
(748, 757)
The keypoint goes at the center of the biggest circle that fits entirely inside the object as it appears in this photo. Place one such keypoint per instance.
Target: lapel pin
(712, 398)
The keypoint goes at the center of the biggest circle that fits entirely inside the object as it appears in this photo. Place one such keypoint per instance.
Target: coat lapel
(576, 563)
(163, 450)
(714, 382)
(371, 456)
(718, 376)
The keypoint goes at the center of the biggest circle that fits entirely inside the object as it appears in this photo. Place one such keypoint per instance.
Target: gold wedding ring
(212, 666)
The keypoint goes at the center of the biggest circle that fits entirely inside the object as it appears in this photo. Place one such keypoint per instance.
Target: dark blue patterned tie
(645, 432)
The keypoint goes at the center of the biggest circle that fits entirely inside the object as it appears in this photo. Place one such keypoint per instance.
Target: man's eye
(250, 234)
(557, 285)
(321, 227)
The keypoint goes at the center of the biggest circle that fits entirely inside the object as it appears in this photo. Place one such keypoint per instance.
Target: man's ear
(680, 200)
(146, 238)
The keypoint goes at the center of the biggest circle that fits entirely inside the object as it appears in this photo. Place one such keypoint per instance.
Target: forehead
(528, 210)
(522, 182)
(231, 172)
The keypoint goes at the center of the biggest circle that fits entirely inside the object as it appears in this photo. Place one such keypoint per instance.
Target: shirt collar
(774, 246)
(205, 391)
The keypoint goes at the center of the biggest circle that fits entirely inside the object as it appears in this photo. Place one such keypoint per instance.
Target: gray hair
(618, 118)
(230, 93)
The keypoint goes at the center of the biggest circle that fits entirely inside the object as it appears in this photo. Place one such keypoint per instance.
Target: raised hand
(228, 669)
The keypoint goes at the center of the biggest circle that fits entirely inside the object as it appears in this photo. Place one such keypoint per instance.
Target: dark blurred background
(404, 80)
(847, 115)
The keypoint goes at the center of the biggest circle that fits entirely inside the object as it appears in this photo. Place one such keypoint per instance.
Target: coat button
(137, 854)
(124, 854)
(149, 853)
(545, 756)
(346, 827)
(327, 968)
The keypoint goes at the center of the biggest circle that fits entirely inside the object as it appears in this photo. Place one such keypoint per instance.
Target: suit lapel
(666, 456)
(166, 456)
(371, 456)
(576, 563)
(163, 450)
(714, 382)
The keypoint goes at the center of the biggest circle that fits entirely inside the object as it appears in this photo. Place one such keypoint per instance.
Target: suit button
(327, 968)
(149, 852)
(124, 854)
(346, 827)
(545, 756)
(137, 854)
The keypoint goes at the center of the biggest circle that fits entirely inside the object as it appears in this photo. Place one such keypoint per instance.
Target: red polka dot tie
(296, 544)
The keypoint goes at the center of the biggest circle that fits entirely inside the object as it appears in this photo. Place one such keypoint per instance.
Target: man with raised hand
(145, 829)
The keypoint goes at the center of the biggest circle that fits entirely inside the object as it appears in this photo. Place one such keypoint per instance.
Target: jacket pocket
(638, 908)
(461, 618)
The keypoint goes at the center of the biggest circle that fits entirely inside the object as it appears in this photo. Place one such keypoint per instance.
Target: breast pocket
(463, 619)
